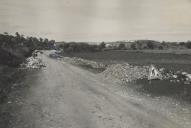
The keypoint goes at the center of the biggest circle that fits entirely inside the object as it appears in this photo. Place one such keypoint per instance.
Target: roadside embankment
(33, 62)
(10, 77)
(124, 72)
(96, 67)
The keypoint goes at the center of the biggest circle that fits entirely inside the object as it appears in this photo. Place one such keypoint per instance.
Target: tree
(6, 33)
(102, 45)
(17, 34)
(161, 47)
(150, 45)
(45, 40)
(188, 44)
(41, 40)
(121, 46)
(182, 43)
(139, 44)
(133, 46)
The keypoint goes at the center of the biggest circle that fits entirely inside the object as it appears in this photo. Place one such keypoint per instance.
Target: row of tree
(15, 48)
(122, 45)
(148, 44)
(81, 47)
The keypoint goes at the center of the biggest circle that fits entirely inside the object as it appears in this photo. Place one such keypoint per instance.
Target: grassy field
(169, 60)
(173, 51)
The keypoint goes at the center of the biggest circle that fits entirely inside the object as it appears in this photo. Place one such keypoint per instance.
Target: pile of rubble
(183, 77)
(129, 73)
(33, 62)
(126, 72)
(83, 62)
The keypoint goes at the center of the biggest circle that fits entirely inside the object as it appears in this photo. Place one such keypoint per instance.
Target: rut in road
(64, 96)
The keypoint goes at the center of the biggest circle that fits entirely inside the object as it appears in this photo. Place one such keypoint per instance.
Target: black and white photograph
(95, 63)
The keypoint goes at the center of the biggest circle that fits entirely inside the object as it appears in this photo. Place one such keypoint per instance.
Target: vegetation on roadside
(15, 48)
(10, 77)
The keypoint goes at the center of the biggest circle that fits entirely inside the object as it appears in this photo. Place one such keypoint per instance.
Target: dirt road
(64, 96)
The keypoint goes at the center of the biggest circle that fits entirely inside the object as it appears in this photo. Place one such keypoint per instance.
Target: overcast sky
(98, 20)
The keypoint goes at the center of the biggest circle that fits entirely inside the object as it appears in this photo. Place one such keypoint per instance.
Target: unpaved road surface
(64, 96)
